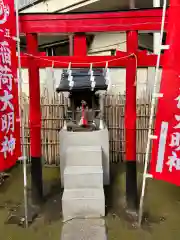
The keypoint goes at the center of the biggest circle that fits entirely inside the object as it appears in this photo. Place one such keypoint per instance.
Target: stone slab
(83, 177)
(84, 156)
(84, 229)
(94, 138)
(83, 203)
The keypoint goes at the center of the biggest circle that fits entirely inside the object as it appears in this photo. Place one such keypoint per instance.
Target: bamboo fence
(52, 121)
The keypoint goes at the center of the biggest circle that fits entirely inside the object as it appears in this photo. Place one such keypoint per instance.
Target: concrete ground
(162, 205)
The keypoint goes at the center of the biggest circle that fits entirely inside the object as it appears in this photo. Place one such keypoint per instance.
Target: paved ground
(162, 204)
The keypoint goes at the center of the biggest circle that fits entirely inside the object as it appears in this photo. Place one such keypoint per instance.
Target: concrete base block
(84, 229)
(84, 156)
(83, 177)
(85, 139)
(83, 203)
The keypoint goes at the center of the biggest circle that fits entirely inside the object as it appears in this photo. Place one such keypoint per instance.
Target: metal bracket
(16, 39)
(158, 95)
(22, 158)
(147, 175)
(153, 137)
(165, 47)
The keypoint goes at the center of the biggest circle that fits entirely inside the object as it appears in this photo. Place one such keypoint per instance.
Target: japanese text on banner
(174, 159)
(9, 126)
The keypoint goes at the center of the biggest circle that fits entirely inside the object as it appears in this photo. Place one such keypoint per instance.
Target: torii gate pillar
(130, 121)
(35, 120)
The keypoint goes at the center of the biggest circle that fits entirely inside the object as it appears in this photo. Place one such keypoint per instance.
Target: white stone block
(83, 177)
(84, 229)
(76, 139)
(83, 203)
(84, 156)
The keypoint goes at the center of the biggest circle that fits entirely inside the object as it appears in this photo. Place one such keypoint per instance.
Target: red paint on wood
(80, 45)
(149, 20)
(34, 92)
(130, 107)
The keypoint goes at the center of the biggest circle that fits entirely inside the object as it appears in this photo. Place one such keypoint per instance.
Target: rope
(80, 63)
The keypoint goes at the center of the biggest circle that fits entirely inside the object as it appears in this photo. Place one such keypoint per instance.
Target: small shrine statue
(85, 110)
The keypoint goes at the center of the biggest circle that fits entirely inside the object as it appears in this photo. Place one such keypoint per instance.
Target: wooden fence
(52, 120)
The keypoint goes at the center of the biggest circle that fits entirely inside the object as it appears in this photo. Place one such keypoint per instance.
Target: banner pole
(23, 158)
(153, 104)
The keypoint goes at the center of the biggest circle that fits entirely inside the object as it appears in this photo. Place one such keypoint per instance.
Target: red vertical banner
(165, 161)
(9, 105)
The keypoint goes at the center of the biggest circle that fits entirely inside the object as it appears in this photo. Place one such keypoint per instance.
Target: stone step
(84, 229)
(83, 177)
(84, 156)
(83, 203)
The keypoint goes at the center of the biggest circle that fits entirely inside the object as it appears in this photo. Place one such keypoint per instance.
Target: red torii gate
(130, 21)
